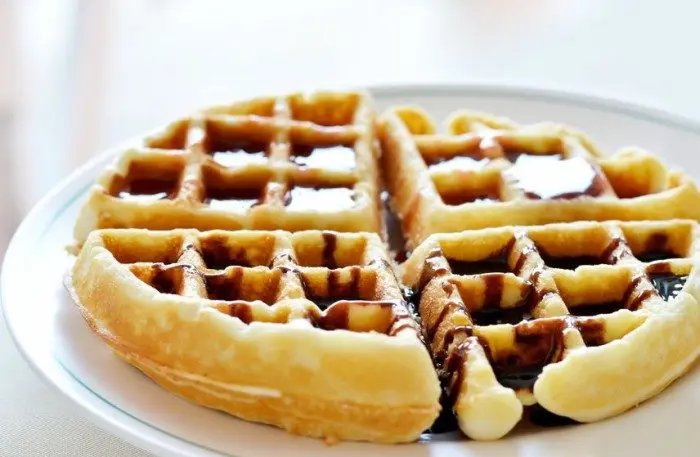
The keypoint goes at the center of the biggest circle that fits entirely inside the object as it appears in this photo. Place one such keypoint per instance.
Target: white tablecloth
(95, 74)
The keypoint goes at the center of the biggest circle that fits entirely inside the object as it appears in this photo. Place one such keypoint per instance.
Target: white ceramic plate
(54, 340)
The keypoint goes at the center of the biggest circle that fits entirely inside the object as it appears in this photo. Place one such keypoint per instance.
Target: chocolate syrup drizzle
(537, 343)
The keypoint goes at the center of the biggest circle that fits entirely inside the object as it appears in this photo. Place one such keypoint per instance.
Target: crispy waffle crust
(308, 332)
(487, 171)
(238, 258)
(293, 162)
(586, 319)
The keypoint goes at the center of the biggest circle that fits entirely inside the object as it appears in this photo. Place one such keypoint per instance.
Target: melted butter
(233, 205)
(459, 163)
(143, 197)
(327, 157)
(236, 153)
(230, 159)
(147, 190)
(319, 199)
(548, 177)
(238, 200)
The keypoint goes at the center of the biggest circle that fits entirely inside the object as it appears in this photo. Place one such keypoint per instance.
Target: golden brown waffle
(586, 319)
(294, 162)
(309, 332)
(486, 171)
(238, 258)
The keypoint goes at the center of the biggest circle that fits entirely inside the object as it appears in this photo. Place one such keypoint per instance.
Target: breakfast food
(585, 319)
(488, 171)
(239, 258)
(291, 162)
(309, 332)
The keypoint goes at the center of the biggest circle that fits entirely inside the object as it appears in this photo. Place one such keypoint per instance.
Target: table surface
(79, 76)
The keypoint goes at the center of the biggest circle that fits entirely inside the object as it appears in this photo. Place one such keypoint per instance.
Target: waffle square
(306, 331)
(488, 171)
(293, 162)
(585, 320)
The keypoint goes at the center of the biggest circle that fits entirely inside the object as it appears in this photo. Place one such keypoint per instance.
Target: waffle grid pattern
(328, 280)
(486, 171)
(528, 270)
(527, 298)
(294, 162)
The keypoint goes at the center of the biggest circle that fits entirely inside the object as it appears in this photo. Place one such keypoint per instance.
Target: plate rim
(152, 441)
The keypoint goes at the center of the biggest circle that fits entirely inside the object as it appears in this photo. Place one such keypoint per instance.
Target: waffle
(238, 258)
(306, 331)
(488, 171)
(582, 320)
(293, 162)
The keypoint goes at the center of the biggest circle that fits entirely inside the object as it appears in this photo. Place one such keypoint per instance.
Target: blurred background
(78, 76)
